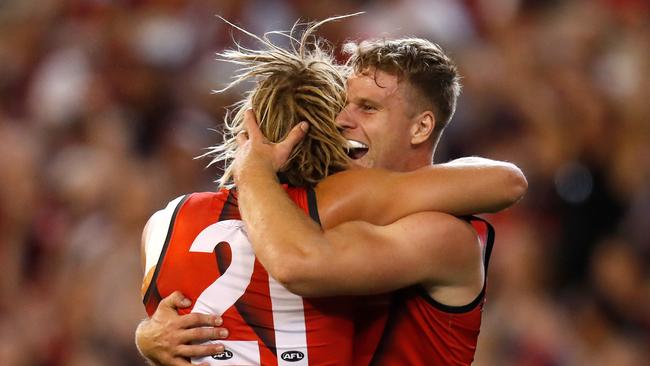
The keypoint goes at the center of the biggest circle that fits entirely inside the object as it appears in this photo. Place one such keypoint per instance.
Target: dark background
(104, 104)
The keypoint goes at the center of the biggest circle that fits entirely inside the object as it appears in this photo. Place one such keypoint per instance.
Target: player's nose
(344, 120)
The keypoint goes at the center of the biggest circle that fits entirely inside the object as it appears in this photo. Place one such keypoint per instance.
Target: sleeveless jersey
(422, 331)
(207, 256)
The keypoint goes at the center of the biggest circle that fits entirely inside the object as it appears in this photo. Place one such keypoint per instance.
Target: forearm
(466, 186)
(140, 341)
(282, 235)
(461, 187)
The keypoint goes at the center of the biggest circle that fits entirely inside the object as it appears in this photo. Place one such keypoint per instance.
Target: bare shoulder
(357, 194)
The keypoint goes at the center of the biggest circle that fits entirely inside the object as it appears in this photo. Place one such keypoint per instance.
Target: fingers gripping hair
(293, 85)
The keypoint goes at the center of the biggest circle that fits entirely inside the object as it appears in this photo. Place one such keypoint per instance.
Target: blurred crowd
(105, 103)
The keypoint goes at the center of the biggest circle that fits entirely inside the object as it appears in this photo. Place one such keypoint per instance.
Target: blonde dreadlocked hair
(301, 84)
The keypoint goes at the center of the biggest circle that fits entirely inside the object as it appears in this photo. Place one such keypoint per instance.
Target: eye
(368, 107)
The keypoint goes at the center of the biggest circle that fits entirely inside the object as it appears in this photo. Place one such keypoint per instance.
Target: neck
(420, 156)
(415, 164)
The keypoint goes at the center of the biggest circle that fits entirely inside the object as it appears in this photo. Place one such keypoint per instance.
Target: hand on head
(255, 152)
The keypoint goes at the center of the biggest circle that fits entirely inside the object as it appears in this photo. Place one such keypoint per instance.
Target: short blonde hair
(423, 64)
(301, 84)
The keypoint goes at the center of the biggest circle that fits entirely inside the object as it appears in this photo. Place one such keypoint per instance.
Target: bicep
(362, 258)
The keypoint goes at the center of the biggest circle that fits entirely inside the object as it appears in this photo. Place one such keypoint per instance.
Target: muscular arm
(461, 187)
(358, 257)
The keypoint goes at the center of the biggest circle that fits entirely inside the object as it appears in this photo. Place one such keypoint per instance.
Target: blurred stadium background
(104, 104)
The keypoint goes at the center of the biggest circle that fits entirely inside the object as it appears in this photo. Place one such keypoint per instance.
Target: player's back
(205, 254)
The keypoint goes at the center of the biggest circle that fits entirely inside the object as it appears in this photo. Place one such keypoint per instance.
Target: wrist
(255, 170)
(138, 338)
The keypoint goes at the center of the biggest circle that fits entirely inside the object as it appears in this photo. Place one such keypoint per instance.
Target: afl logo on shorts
(226, 355)
(292, 356)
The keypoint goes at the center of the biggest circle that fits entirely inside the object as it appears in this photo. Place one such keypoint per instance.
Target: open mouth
(356, 149)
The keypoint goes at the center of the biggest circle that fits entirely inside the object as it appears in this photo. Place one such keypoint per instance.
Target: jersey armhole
(312, 205)
(156, 240)
(487, 252)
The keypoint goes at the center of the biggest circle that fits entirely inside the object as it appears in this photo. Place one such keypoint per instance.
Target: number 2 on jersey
(288, 314)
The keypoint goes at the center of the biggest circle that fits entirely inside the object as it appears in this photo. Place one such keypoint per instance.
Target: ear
(422, 127)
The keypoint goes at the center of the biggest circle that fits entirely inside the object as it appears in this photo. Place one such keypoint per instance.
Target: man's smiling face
(376, 121)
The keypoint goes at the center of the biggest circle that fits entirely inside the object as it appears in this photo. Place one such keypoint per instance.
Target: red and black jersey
(207, 256)
(422, 331)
